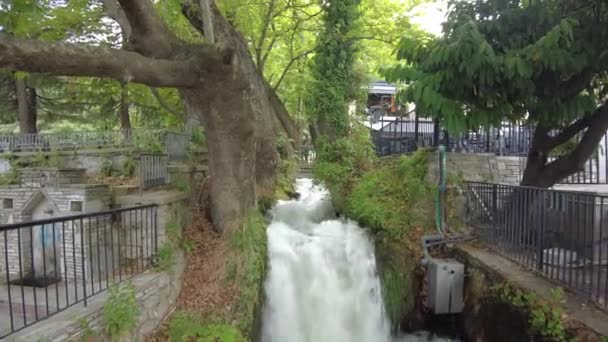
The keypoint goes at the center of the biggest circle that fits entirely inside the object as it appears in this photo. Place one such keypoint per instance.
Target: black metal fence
(395, 135)
(398, 135)
(153, 171)
(561, 234)
(50, 265)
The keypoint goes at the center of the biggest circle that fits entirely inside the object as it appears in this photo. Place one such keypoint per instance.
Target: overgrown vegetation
(390, 197)
(544, 316)
(186, 326)
(128, 167)
(121, 310)
(340, 164)
(393, 197)
(166, 257)
(182, 184)
(179, 218)
(247, 269)
(13, 176)
(105, 169)
(242, 278)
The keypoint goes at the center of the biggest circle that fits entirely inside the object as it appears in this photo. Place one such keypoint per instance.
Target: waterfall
(322, 285)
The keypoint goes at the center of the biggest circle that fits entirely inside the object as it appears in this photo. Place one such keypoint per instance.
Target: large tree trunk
(231, 145)
(125, 119)
(268, 112)
(26, 106)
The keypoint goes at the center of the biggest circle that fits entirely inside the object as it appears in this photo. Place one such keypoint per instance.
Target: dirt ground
(204, 291)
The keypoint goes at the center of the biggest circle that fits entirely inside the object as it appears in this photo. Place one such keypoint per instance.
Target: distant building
(382, 101)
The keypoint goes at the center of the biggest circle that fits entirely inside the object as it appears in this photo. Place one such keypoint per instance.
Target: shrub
(121, 310)
(393, 196)
(166, 257)
(198, 136)
(544, 316)
(128, 167)
(341, 163)
(182, 184)
(185, 326)
(248, 267)
(105, 168)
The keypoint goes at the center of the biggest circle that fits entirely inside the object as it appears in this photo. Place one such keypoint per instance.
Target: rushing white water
(322, 284)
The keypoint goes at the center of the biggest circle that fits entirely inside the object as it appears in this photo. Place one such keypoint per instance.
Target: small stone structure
(56, 248)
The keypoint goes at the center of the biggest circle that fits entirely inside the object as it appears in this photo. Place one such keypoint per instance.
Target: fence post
(541, 231)
(436, 133)
(82, 260)
(141, 174)
(416, 123)
(494, 203)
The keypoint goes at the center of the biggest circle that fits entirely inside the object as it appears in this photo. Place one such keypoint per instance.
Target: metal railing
(561, 234)
(174, 144)
(396, 135)
(50, 265)
(399, 135)
(153, 171)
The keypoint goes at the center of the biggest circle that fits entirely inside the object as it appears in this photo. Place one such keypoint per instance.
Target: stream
(322, 284)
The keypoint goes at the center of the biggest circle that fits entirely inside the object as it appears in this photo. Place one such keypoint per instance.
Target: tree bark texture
(219, 83)
(26, 106)
(271, 117)
(125, 119)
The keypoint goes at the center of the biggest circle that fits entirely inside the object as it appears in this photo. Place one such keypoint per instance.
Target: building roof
(382, 87)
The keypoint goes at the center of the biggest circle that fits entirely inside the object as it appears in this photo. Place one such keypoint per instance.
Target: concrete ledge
(504, 270)
(151, 197)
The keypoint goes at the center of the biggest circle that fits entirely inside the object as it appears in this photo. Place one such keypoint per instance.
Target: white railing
(155, 140)
(77, 140)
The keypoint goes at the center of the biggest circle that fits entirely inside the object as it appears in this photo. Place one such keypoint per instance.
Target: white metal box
(446, 284)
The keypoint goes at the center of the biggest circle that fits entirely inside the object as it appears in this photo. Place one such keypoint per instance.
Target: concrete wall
(89, 160)
(488, 319)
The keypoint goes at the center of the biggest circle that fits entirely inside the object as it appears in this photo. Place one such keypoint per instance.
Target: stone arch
(43, 240)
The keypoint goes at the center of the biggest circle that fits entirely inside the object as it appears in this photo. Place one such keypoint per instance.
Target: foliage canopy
(541, 61)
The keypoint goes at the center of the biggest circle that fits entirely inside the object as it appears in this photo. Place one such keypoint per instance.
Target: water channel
(322, 284)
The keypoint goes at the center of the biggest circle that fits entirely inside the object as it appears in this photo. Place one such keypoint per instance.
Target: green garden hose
(440, 194)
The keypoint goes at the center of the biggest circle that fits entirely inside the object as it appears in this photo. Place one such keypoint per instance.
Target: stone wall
(92, 160)
(93, 198)
(156, 294)
(479, 167)
(51, 177)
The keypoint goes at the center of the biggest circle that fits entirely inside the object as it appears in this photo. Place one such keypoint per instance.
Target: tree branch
(166, 106)
(267, 20)
(113, 11)
(207, 21)
(562, 167)
(149, 35)
(75, 60)
(288, 66)
(569, 132)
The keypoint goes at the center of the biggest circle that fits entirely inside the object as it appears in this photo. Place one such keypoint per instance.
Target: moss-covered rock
(393, 199)
(396, 268)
